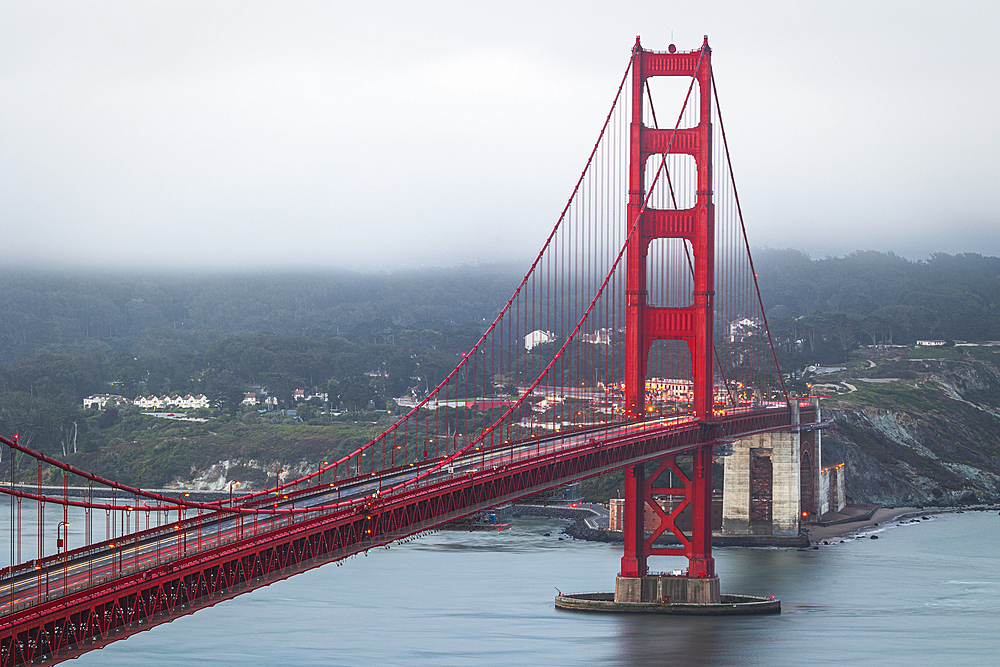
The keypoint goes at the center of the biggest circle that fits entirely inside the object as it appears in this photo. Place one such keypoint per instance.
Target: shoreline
(817, 534)
(811, 535)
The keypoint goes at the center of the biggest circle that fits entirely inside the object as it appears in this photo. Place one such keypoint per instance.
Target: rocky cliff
(915, 426)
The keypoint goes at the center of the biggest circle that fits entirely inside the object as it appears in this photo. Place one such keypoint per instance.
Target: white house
(538, 337)
(190, 402)
(100, 401)
(599, 337)
(149, 402)
(743, 328)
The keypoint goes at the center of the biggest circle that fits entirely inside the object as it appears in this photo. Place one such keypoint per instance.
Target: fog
(375, 136)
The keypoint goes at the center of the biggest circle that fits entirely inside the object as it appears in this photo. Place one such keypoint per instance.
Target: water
(926, 593)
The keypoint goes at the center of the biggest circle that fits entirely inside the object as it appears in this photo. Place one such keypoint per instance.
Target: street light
(239, 526)
(60, 536)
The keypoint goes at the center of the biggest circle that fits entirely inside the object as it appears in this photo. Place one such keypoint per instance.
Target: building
(250, 398)
(538, 337)
(616, 509)
(931, 343)
(149, 402)
(671, 389)
(599, 337)
(190, 402)
(743, 328)
(101, 401)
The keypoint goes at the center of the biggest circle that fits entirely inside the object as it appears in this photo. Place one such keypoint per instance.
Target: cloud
(260, 136)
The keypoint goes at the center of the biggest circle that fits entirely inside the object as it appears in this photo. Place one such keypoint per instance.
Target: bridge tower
(692, 324)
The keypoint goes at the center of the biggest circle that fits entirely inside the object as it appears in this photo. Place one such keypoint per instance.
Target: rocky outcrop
(935, 440)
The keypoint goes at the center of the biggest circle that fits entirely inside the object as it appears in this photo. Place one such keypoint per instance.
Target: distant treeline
(363, 338)
(171, 314)
(820, 309)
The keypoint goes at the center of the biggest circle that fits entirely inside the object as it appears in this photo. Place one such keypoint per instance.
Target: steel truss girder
(67, 627)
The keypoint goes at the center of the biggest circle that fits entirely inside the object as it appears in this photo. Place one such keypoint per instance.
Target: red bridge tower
(692, 324)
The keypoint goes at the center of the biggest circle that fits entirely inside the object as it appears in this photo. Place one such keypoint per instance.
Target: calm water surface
(926, 593)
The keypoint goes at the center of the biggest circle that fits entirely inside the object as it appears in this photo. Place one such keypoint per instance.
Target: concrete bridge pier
(762, 483)
(668, 588)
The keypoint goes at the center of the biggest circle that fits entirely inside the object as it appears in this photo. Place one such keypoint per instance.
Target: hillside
(912, 425)
(916, 425)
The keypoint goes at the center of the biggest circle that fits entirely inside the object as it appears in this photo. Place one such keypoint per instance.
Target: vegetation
(820, 310)
(364, 339)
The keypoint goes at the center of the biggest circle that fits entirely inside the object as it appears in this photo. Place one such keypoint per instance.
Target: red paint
(692, 324)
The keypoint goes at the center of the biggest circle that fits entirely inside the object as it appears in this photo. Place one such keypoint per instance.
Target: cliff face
(923, 431)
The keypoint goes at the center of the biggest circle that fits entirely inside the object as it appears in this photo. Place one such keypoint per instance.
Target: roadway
(134, 553)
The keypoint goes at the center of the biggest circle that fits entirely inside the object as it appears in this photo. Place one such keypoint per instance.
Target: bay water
(924, 593)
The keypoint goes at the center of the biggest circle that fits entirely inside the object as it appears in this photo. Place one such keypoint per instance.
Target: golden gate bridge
(645, 281)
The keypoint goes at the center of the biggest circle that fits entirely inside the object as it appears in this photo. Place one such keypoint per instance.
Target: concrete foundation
(729, 605)
(783, 501)
(667, 588)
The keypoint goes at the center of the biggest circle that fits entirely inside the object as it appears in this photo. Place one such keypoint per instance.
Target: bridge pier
(667, 588)
(690, 493)
(772, 481)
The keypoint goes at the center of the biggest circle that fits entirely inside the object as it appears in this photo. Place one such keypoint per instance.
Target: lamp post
(62, 536)
(62, 542)
(277, 486)
(239, 526)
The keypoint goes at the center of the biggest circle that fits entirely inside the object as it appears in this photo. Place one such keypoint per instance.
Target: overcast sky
(380, 135)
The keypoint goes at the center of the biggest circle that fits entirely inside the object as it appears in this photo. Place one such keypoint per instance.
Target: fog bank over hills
(880, 294)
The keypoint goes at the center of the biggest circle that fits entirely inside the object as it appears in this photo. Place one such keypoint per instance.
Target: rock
(873, 537)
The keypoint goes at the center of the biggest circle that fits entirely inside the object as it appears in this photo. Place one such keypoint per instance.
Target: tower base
(728, 605)
(667, 588)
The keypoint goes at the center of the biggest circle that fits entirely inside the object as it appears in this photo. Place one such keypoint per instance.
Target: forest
(364, 339)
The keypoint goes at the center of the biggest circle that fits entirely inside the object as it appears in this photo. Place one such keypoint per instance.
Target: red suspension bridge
(636, 340)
